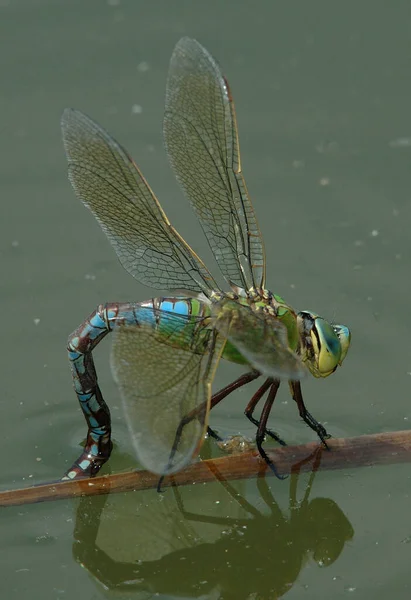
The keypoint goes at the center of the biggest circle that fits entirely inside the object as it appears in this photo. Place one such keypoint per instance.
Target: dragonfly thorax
(265, 302)
(323, 346)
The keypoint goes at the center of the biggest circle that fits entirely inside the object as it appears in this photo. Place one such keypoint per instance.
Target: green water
(323, 95)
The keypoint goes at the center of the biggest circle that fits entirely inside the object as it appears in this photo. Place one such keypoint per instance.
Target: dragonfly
(166, 350)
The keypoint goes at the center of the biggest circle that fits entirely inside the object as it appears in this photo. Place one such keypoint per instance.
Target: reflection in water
(256, 553)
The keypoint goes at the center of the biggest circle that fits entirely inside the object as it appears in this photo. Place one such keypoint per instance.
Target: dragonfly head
(323, 346)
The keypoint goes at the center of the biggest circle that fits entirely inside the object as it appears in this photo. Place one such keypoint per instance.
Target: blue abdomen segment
(179, 307)
(80, 346)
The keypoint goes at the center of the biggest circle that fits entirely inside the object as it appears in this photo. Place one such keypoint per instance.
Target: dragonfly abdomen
(85, 338)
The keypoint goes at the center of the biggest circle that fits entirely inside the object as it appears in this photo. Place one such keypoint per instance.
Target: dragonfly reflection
(256, 552)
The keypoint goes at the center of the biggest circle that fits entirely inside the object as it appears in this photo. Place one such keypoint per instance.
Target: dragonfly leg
(211, 433)
(224, 392)
(215, 399)
(249, 410)
(231, 387)
(81, 343)
(265, 413)
(320, 430)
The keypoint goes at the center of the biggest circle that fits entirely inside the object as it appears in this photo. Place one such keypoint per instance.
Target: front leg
(81, 343)
(307, 417)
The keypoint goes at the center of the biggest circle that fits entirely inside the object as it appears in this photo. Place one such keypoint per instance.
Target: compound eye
(327, 346)
(344, 335)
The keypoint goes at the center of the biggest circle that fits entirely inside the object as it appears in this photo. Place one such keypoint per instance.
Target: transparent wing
(161, 381)
(261, 339)
(109, 183)
(201, 138)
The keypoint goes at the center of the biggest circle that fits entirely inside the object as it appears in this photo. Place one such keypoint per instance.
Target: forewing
(110, 184)
(161, 383)
(201, 138)
(261, 338)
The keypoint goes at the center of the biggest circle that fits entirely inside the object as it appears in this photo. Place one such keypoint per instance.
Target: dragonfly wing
(261, 338)
(110, 184)
(201, 138)
(161, 383)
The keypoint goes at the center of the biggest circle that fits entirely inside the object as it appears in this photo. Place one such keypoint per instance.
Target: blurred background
(322, 93)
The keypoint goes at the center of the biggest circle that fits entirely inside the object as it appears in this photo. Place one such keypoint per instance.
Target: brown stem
(346, 453)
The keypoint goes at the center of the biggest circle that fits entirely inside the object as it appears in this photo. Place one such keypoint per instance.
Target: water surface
(322, 94)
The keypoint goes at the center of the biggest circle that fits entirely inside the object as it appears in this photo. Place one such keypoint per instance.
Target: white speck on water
(324, 181)
(36, 321)
(359, 243)
(350, 589)
(298, 164)
(136, 109)
(374, 233)
(15, 243)
(143, 67)
(89, 276)
(401, 142)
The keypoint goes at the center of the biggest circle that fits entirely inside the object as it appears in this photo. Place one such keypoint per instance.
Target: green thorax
(278, 308)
